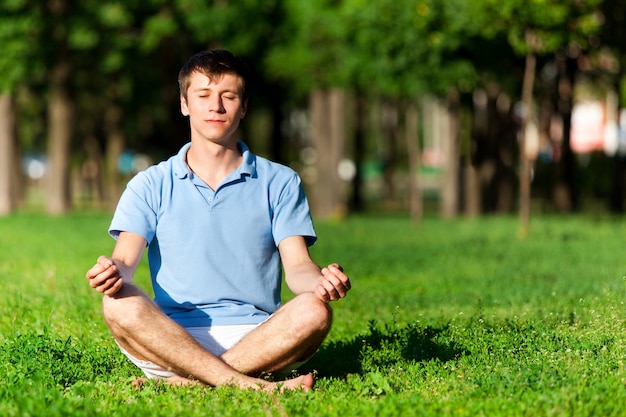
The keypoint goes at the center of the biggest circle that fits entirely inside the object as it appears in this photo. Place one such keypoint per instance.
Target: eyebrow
(201, 89)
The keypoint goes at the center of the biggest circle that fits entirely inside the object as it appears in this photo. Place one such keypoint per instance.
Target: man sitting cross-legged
(220, 225)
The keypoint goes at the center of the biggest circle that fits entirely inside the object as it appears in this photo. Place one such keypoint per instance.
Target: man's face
(214, 107)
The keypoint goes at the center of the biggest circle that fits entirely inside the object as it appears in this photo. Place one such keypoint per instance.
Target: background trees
(379, 104)
(18, 34)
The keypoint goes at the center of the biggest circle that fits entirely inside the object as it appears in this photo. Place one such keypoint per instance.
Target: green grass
(460, 318)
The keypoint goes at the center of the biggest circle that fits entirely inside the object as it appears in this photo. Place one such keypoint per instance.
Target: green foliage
(124, 55)
(446, 318)
(55, 363)
(157, 27)
(551, 23)
(243, 26)
(114, 15)
(313, 50)
(395, 48)
(19, 33)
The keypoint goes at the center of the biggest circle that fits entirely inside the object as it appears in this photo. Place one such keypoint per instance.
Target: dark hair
(213, 63)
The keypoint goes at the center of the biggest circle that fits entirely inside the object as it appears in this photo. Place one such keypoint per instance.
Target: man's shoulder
(267, 166)
(154, 174)
(160, 172)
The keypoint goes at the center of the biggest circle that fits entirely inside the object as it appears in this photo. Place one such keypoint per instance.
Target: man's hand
(333, 285)
(105, 277)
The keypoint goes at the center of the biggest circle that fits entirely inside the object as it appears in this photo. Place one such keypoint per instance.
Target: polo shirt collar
(181, 169)
(248, 161)
(247, 167)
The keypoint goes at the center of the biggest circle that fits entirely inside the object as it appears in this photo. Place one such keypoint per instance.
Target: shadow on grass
(383, 349)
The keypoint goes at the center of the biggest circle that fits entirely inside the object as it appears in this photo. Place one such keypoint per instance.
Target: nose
(216, 104)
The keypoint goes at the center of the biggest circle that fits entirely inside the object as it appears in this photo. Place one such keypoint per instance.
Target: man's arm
(109, 273)
(303, 275)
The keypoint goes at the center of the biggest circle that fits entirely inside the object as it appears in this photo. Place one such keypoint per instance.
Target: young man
(219, 223)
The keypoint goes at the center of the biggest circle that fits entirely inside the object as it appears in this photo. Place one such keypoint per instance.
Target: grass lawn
(448, 318)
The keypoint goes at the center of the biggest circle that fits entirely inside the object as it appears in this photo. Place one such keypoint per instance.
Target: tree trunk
(477, 155)
(92, 180)
(389, 122)
(8, 155)
(564, 194)
(618, 183)
(618, 186)
(357, 203)
(501, 133)
(450, 134)
(115, 146)
(489, 173)
(337, 118)
(416, 206)
(471, 186)
(613, 35)
(277, 137)
(321, 193)
(60, 128)
(525, 156)
(327, 123)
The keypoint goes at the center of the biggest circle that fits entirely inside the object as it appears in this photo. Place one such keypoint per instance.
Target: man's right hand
(105, 277)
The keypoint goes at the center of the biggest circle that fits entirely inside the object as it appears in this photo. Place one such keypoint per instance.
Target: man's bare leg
(139, 327)
(292, 334)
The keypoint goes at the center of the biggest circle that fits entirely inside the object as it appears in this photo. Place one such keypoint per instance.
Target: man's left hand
(334, 284)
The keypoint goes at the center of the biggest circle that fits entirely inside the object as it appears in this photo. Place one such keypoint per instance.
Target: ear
(244, 108)
(183, 106)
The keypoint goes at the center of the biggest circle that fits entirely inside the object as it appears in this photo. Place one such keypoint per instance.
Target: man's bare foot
(139, 382)
(174, 380)
(302, 382)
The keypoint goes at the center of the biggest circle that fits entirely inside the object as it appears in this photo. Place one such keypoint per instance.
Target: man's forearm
(305, 278)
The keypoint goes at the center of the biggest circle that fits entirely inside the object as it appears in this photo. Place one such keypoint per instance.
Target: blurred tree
(583, 24)
(61, 110)
(97, 64)
(139, 52)
(311, 58)
(613, 43)
(401, 50)
(386, 64)
(532, 28)
(112, 70)
(18, 34)
(486, 141)
(8, 154)
(106, 43)
(125, 58)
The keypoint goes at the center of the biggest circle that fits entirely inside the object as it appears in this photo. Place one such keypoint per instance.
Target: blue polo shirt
(213, 255)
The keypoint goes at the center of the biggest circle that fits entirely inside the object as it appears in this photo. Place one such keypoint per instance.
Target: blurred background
(450, 107)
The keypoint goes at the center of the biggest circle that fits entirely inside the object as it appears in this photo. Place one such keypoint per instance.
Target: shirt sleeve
(292, 216)
(136, 210)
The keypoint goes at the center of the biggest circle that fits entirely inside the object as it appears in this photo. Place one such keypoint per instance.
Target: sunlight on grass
(458, 318)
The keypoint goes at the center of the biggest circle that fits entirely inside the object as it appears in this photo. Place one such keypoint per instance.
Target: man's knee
(112, 310)
(122, 310)
(314, 311)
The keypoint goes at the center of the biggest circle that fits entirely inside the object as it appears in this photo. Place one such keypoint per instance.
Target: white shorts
(215, 339)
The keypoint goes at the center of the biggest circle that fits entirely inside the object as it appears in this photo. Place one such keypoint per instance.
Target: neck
(213, 162)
